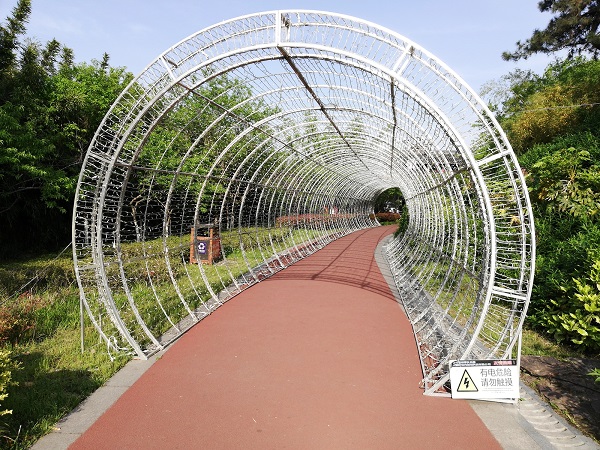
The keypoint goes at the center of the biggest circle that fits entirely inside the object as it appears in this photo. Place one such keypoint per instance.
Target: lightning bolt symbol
(466, 382)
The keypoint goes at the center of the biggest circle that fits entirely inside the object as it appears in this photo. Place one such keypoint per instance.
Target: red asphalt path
(319, 356)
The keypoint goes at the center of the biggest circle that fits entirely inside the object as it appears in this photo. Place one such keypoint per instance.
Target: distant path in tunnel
(319, 356)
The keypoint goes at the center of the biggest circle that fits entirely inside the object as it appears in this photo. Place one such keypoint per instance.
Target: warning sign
(466, 383)
(484, 379)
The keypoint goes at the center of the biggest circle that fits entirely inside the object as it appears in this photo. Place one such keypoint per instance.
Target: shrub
(387, 217)
(576, 318)
(564, 175)
(403, 222)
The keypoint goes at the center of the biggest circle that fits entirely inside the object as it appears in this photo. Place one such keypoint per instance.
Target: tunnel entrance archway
(276, 132)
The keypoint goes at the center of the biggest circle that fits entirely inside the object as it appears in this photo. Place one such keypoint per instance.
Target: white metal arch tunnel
(276, 132)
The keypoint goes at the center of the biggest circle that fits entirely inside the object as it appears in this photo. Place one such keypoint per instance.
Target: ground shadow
(41, 397)
(349, 261)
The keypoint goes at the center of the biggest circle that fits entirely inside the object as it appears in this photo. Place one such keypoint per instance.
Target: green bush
(575, 317)
(564, 175)
(566, 249)
(565, 294)
(403, 222)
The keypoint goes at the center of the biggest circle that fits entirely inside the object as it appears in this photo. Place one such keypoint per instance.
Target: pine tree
(574, 27)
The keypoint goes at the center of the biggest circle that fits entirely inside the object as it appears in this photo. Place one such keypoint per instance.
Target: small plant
(595, 373)
(7, 365)
(576, 319)
(402, 222)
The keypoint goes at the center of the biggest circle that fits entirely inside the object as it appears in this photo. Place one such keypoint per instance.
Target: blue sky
(468, 35)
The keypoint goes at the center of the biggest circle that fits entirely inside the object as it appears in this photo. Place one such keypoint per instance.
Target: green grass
(457, 299)
(536, 344)
(53, 379)
(41, 329)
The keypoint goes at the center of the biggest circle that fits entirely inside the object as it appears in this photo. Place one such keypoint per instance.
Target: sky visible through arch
(467, 35)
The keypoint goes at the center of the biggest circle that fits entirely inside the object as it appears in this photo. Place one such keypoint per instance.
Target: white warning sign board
(484, 379)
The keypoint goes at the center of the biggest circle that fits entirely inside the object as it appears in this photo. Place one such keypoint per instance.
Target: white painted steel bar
(276, 132)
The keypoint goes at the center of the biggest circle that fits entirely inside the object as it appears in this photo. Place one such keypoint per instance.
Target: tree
(510, 92)
(537, 109)
(196, 123)
(389, 199)
(49, 111)
(9, 35)
(553, 123)
(574, 28)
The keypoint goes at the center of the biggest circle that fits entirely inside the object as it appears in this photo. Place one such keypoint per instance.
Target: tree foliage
(553, 123)
(9, 38)
(388, 200)
(574, 27)
(564, 181)
(537, 109)
(7, 366)
(49, 111)
(564, 176)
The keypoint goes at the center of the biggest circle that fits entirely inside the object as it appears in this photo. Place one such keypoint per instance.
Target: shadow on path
(348, 261)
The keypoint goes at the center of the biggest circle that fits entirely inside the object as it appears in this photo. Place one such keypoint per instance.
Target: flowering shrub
(308, 219)
(387, 217)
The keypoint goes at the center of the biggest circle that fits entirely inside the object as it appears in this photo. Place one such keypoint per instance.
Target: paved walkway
(320, 356)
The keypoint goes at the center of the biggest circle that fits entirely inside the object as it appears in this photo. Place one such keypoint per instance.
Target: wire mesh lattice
(275, 132)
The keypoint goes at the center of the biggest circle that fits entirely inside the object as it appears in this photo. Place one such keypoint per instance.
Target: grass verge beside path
(41, 329)
(53, 379)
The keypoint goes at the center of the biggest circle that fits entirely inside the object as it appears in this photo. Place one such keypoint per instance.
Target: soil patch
(565, 385)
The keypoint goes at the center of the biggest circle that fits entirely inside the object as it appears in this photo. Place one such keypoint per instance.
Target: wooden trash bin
(205, 244)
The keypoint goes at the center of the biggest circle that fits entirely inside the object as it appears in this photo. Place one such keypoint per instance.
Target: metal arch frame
(386, 114)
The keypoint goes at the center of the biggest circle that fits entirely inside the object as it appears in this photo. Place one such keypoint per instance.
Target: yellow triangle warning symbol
(466, 383)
